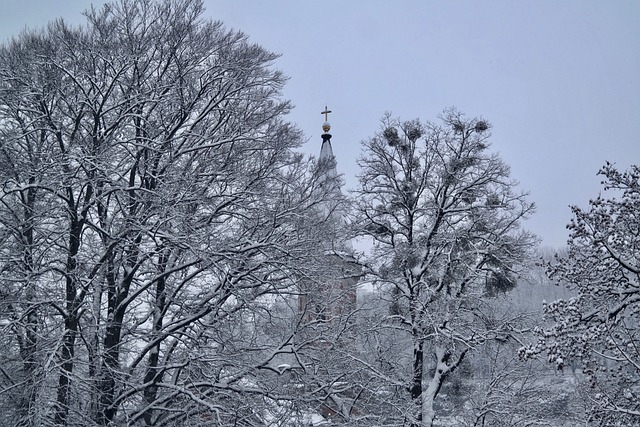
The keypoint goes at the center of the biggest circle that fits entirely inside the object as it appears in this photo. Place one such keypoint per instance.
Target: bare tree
(151, 214)
(445, 221)
(598, 328)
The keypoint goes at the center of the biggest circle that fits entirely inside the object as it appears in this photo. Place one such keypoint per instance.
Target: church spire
(326, 151)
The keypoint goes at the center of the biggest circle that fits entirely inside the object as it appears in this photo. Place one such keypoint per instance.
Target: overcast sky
(559, 80)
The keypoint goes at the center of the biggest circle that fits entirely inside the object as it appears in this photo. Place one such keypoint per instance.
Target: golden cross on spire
(326, 113)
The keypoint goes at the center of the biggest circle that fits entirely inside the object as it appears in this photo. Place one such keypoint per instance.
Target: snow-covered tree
(599, 328)
(152, 210)
(444, 217)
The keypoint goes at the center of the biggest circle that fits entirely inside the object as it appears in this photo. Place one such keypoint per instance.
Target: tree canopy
(150, 211)
(444, 217)
(598, 328)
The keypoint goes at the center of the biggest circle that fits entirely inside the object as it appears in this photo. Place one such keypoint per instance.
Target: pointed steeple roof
(327, 161)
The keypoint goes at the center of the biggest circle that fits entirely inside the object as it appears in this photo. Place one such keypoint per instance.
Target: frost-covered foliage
(152, 209)
(600, 327)
(444, 217)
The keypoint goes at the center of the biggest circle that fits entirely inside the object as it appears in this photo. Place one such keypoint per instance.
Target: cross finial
(326, 113)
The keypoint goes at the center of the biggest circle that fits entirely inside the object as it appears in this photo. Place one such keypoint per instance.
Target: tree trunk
(28, 345)
(64, 380)
(154, 375)
(111, 361)
(431, 387)
(416, 386)
(117, 294)
(109, 369)
(70, 324)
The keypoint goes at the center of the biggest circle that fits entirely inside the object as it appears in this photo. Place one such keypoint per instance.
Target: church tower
(328, 182)
(335, 295)
(327, 159)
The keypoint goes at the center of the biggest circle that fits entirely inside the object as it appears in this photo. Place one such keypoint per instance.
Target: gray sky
(559, 80)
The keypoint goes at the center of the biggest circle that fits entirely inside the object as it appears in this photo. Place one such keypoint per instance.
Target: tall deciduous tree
(444, 217)
(151, 211)
(600, 327)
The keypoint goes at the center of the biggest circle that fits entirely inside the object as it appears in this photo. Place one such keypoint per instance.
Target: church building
(335, 296)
